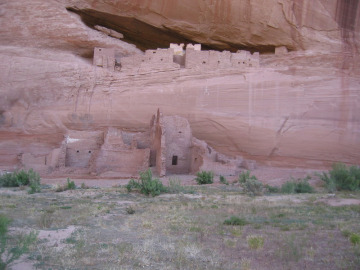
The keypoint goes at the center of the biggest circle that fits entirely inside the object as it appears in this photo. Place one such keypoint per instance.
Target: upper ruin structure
(175, 58)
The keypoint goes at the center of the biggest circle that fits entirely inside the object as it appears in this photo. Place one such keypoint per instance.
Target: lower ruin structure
(167, 147)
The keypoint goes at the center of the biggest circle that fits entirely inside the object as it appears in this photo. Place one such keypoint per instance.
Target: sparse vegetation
(255, 241)
(204, 177)
(100, 230)
(130, 210)
(235, 221)
(147, 184)
(272, 189)
(68, 186)
(175, 186)
(11, 248)
(342, 177)
(223, 180)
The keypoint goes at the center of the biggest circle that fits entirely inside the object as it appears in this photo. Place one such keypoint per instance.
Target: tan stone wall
(178, 144)
(81, 146)
(211, 60)
(125, 162)
(104, 57)
(196, 59)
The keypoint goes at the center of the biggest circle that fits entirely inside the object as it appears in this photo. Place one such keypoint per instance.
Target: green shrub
(204, 177)
(223, 180)
(250, 184)
(255, 241)
(146, 184)
(354, 239)
(22, 244)
(330, 184)
(35, 186)
(272, 189)
(297, 186)
(342, 177)
(288, 187)
(233, 220)
(19, 178)
(70, 184)
(246, 176)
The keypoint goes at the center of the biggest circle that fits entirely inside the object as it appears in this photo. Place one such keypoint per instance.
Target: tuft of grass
(255, 241)
(204, 177)
(236, 221)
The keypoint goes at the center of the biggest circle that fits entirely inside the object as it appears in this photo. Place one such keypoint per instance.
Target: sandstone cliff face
(298, 109)
(228, 24)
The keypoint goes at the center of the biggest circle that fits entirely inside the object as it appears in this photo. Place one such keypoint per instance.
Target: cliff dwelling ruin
(174, 58)
(167, 146)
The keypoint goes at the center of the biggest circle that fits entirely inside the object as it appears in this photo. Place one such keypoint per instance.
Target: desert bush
(223, 180)
(255, 241)
(21, 246)
(19, 178)
(204, 177)
(297, 186)
(146, 184)
(250, 183)
(233, 220)
(342, 177)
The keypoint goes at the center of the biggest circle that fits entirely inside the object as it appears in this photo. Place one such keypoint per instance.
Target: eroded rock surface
(300, 108)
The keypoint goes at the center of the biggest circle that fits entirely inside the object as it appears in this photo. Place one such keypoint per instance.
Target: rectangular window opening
(174, 160)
